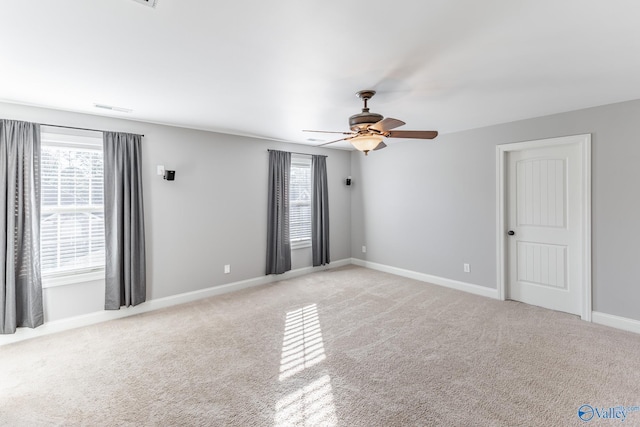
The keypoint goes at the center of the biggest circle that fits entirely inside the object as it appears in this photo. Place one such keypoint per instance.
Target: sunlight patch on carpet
(302, 348)
(310, 405)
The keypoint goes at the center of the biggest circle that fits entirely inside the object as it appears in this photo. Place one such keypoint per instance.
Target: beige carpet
(345, 347)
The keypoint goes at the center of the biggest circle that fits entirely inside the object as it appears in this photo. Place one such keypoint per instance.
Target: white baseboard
(617, 322)
(441, 281)
(155, 304)
(610, 320)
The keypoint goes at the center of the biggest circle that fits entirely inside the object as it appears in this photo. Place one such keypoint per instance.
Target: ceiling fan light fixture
(366, 143)
(368, 130)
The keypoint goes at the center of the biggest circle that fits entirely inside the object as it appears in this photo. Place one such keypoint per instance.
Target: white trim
(70, 278)
(436, 280)
(155, 304)
(584, 142)
(22, 334)
(617, 322)
(500, 223)
(71, 138)
(587, 291)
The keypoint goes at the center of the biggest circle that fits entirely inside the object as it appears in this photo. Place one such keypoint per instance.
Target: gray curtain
(21, 284)
(319, 212)
(278, 244)
(124, 221)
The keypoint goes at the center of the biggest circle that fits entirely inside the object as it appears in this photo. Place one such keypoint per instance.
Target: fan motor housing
(362, 121)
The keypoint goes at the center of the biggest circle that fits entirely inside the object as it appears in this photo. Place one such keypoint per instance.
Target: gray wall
(430, 206)
(213, 214)
(425, 206)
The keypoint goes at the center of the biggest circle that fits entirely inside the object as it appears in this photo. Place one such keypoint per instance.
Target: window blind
(72, 207)
(300, 200)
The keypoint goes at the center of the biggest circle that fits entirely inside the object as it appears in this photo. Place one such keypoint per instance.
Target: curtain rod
(302, 154)
(73, 127)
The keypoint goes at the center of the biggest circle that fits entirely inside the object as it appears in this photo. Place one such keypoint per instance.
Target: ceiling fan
(368, 130)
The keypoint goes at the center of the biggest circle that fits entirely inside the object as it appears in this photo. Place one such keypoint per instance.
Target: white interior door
(545, 223)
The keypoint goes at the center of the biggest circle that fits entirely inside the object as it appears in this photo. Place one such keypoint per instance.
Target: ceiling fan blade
(327, 131)
(417, 134)
(331, 142)
(387, 124)
(380, 146)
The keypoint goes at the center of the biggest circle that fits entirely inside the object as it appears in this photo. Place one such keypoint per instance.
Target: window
(300, 201)
(72, 207)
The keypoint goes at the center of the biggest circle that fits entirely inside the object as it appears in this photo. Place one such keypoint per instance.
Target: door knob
(511, 232)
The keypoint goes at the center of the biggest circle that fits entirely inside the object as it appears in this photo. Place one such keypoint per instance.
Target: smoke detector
(150, 3)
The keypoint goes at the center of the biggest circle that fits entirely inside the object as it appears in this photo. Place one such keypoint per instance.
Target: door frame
(502, 150)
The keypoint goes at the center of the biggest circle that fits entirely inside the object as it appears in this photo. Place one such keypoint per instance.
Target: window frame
(72, 139)
(301, 161)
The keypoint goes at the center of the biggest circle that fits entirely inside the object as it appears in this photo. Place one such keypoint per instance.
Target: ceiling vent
(150, 3)
(112, 108)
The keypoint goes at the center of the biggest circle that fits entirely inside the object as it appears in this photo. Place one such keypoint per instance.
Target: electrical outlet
(364, 249)
(227, 269)
(466, 268)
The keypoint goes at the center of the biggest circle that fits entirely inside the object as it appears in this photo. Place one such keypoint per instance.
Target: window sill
(72, 278)
(301, 244)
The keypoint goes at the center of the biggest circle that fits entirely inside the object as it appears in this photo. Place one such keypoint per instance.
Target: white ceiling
(271, 68)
